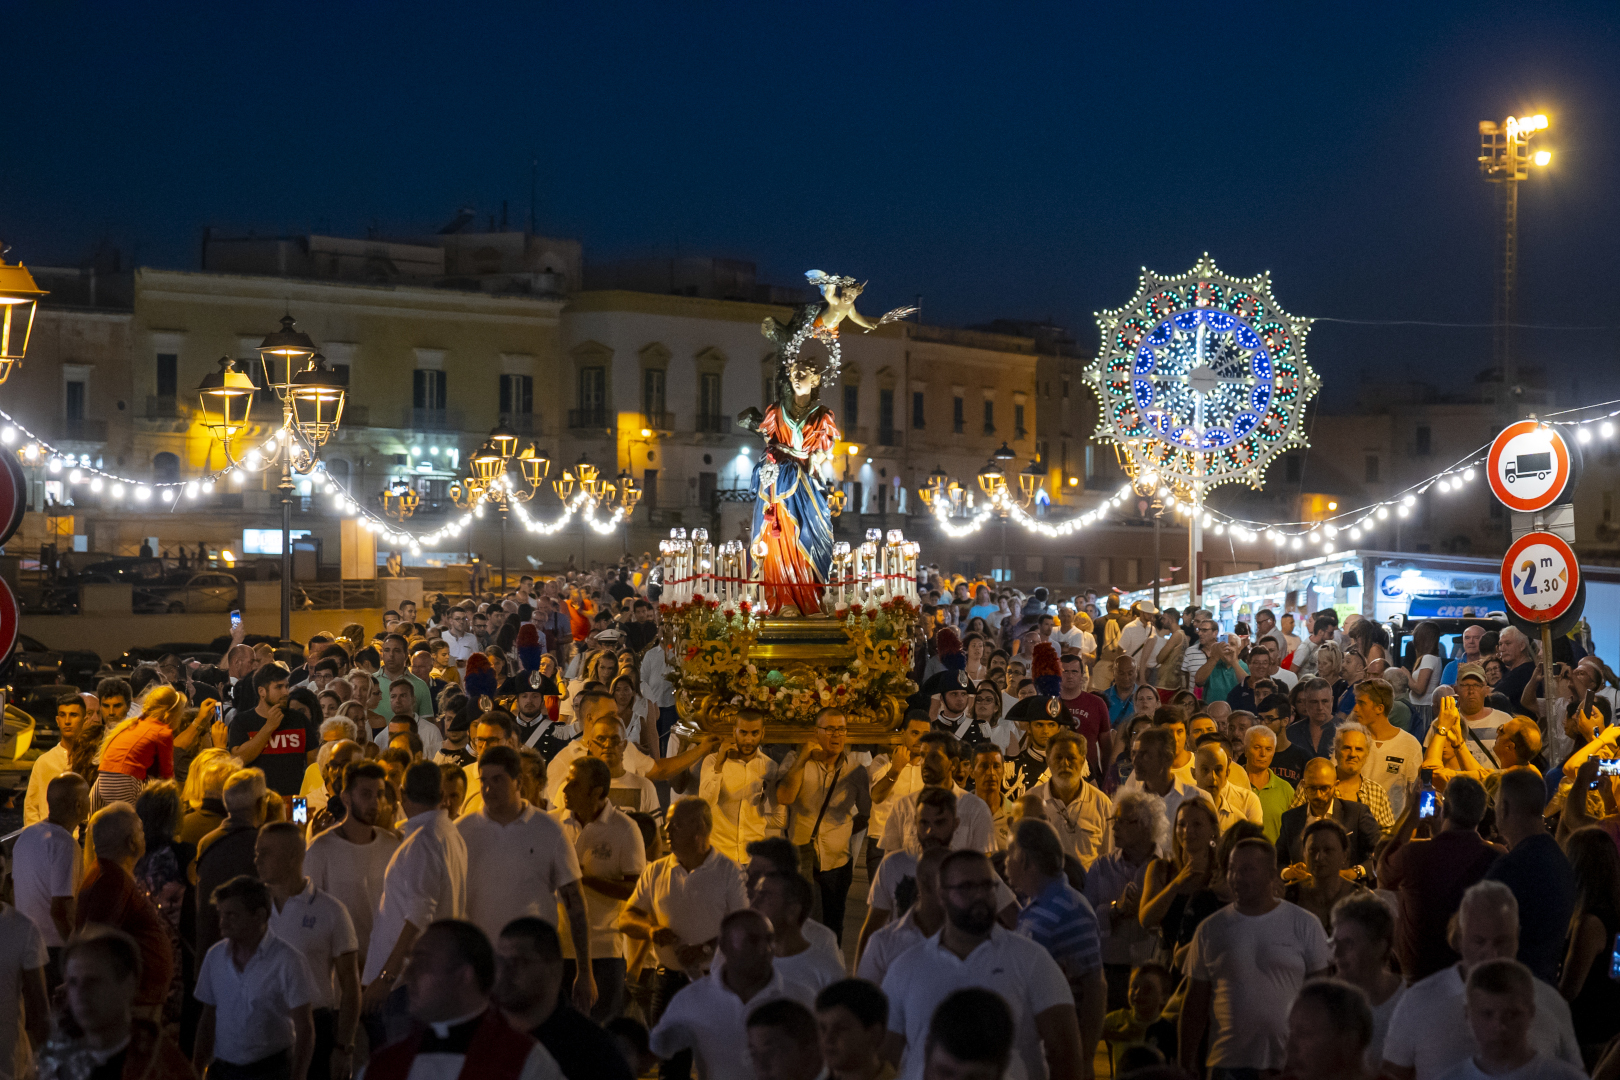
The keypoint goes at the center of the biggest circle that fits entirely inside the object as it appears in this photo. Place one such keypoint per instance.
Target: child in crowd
(1142, 1021)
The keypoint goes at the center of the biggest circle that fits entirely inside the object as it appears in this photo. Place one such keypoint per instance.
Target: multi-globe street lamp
(312, 399)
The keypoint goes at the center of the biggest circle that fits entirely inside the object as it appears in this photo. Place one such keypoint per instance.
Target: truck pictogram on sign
(1526, 465)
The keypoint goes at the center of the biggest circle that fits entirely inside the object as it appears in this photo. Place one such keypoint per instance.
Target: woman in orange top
(580, 610)
(144, 747)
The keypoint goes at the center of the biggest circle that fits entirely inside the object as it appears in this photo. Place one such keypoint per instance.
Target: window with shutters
(428, 389)
(517, 395)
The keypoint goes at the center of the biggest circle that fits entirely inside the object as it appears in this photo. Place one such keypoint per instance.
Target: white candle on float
(756, 575)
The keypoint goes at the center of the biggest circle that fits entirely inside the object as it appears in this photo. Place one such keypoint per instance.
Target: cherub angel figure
(821, 319)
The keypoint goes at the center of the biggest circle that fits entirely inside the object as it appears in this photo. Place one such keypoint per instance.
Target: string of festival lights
(76, 469)
(1325, 533)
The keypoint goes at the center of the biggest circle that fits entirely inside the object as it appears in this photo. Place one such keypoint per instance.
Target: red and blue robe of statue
(791, 515)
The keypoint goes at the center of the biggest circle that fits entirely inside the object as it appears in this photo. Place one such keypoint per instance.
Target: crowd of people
(476, 841)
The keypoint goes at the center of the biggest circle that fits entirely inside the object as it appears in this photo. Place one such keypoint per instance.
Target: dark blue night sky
(1003, 160)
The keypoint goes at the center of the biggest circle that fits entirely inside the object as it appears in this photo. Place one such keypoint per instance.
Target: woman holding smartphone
(1170, 883)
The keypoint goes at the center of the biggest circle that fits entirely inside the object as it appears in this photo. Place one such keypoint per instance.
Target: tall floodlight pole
(1504, 160)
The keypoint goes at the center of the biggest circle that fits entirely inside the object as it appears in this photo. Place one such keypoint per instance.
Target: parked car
(38, 665)
(190, 593)
(32, 664)
(151, 654)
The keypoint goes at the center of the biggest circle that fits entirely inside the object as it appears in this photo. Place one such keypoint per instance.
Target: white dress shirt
(45, 863)
(691, 903)
(1084, 824)
(253, 1005)
(909, 780)
(516, 868)
(426, 880)
(740, 794)
(314, 923)
(852, 795)
(461, 646)
(655, 687)
(975, 827)
(709, 1019)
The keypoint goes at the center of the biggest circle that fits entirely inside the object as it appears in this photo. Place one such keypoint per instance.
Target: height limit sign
(1540, 578)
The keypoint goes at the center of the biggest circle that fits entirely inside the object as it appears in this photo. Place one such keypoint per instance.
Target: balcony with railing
(433, 419)
(713, 424)
(658, 421)
(166, 407)
(64, 429)
(522, 423)
(591, 418)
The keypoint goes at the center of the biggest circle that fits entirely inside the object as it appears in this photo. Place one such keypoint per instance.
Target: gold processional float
(795, 622)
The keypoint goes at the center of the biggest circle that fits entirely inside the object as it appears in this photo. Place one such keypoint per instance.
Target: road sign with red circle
(13, 495)
(10, 617)
(1531, 467)
(1540, 578)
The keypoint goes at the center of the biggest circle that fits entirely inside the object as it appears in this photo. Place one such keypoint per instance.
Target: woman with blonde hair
(144, 748)
(204, 794)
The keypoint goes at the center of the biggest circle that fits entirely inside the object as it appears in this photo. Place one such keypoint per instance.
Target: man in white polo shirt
(1079, 811)
(522, 863)
(257, 993)
(972, 949)
(708, 1019)
(314, 923)
(680, 900)
(611, 856)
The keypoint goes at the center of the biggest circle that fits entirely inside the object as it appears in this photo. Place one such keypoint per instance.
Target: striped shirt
(1062, 922)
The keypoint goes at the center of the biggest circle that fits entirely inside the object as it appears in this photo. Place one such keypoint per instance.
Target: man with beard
(972, 950)
(1077, 810)
(529, 990)
(975, 829)
(350, 859)
(936, 827)
(735, 781)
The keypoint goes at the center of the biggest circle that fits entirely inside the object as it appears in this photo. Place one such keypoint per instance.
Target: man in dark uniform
(955, 692)
(535, 728)
(1044, 717)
